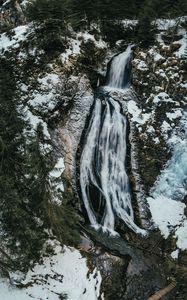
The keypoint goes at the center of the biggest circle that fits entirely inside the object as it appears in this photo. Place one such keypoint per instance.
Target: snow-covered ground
(19, 35)
(74, 48)
(64, 273)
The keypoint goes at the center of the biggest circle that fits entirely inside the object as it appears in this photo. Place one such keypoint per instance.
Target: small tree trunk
(158, 295)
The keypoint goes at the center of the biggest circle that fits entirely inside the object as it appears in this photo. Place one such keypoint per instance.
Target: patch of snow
(56, 180)
(44, 97)
(14, 42)
(162, 97)
(87, 36)
(184, 85)
(165, 127)
(137, 115)
(166, 213)
(49, 80)
(158, 57)
(65, 272)
(182, 51)
(156, 140)
(75, 45)
(174, 115)
(23, 87)
(175, 254)
(155, 55)
(129, 23)
(73, 50)
(161, 73)
(142, 66)
(58, 168)
(181, 234)
(150, 129)
(165, 24)
(45, 100)
(34, 121)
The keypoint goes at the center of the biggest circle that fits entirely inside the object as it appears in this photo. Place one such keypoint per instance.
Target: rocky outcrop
(11, 13)
(70, 131)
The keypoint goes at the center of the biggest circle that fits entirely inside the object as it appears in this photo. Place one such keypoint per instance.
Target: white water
(120, 70)
(103, 178)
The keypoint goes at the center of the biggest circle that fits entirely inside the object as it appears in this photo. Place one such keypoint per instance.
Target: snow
(150, 129)
(141, 65)
(184, 85)
(23, 87)
(181, 235)
(65, 272)
(165, 24)
(166, 213)
(174, 115)
(75, 45)
(162, 97)
(35, 121)
(129, 23)
(44, 97)
(14, 42)
(156, 140)
(47, 101)
(136, 112)
(182, 51)
(49, 80)
(156, 56)
(56, 181)
(74, 50)
(161, 73)
(175, 254)
(58, 168)
(165, 127)
(87, 36)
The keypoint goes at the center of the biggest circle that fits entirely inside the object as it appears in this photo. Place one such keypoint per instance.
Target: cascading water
(120, 69)
(103, 178)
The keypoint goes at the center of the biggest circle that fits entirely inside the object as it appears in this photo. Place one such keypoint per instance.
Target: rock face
(71, 130)
(12, 13)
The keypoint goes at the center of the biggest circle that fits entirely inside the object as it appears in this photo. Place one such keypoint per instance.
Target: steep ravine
(58, 90)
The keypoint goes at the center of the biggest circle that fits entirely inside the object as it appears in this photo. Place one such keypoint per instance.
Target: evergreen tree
(27, 193)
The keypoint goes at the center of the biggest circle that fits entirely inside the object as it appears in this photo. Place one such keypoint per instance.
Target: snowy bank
(64, 273)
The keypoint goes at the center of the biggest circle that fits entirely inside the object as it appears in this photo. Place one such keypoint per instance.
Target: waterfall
(103, 178)
(120, 69)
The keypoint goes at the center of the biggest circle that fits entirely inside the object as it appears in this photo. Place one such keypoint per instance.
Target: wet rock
(183, 258)
(71, 130)
(175, 46)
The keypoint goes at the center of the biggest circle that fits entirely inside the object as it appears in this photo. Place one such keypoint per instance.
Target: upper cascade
(120, 70)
